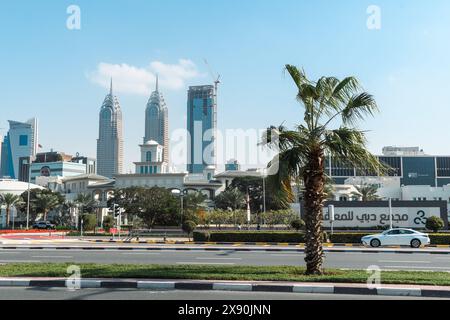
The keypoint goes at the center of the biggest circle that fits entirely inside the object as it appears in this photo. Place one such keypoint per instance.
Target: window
(23, 140)
(155, 169)
(148, 156)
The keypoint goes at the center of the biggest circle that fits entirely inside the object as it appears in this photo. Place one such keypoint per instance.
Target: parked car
(43, 225)
(397, 237)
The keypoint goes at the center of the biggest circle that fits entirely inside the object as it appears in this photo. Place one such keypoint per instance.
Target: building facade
(201, 127)
(21, 142)
(412, 167)
(152, 155)
(157, 121)
(110, 141)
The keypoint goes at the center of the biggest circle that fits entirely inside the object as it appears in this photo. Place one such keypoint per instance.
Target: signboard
(405, 214)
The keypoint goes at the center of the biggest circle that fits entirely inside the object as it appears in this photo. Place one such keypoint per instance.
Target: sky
(61, 75)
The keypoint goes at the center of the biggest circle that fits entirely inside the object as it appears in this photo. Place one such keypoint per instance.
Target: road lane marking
(287, 254)
(396, 261)
(21, 261)
(140, 253)
(212, 263)
(47, 257)
(206, 258)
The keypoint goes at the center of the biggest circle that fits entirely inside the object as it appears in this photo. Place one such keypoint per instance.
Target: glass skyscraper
(110, 140)
(18, 146)
(157, 122)
(201, 126)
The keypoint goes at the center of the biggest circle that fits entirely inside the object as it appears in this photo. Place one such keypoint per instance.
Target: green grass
(208, 272)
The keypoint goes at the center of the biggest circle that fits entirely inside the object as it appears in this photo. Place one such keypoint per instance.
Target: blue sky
(58, 75)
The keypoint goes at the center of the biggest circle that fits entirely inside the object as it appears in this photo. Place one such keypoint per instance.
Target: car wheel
(415, 243)
(375, 243)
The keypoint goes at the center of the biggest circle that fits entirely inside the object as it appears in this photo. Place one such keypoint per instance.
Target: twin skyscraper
(201, 128)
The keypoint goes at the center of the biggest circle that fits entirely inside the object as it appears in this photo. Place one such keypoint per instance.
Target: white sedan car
(397, 237)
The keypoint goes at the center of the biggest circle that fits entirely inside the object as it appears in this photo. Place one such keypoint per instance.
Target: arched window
(149, 156)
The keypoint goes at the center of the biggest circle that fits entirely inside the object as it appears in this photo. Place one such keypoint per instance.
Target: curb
(233, 249)
(225, 286)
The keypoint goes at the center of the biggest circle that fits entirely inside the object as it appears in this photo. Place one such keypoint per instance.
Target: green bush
(434, 223)
(89, 222)
(188, 227)
(294, 237)
(249, 236)
(108, 223)
(297, 224)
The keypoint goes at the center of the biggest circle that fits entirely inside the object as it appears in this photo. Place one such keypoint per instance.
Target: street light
(178, 193)
(30, 159)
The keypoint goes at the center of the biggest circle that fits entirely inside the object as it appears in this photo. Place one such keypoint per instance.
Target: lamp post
(28, 196)
(180, 194)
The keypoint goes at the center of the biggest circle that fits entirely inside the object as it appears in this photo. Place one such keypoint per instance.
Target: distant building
(110, 141)
(232, 165)
(19, 145)
(157, 122)
(201, 126)
(59, 165)
(413, 167)
(90, 163)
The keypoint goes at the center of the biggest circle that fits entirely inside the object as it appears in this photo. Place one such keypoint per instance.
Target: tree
(434, 223)
(189, 226)
(230, 198)
(302, 151)
(193, 205)
(108, 223)
(46, 202)
(366, 192)
(253, 186)
(155, 203)
(86, 202)
(9, 200)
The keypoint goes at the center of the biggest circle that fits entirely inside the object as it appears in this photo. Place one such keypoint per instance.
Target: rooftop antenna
(110, 88)
(157, 79)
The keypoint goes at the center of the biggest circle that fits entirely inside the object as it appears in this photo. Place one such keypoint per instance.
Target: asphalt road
(343, 260)
(25, 293)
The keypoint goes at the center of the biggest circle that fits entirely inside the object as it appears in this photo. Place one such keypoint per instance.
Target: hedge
(249, 236)
(293, 237)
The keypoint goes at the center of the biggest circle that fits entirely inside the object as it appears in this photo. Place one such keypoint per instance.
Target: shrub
(249, 236)
(434, 223)
(294, 237)
(188, 227)
(89, 222)
(108, 223)
(297, 224)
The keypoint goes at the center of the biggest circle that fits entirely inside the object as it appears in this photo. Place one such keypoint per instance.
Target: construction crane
(215, 77)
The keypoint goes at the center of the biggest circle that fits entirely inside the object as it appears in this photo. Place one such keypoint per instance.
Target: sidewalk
(259, 286)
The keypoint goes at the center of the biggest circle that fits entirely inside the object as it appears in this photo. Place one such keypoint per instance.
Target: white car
(397, 237)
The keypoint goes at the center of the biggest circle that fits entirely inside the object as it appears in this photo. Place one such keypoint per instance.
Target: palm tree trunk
(8, 210)
(314, 179)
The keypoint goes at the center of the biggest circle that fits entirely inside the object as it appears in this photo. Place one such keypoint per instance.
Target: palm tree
(366, 192)
(86, 201)
(9, 200)
(302, 152)
(47, 202)
(230, 198)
